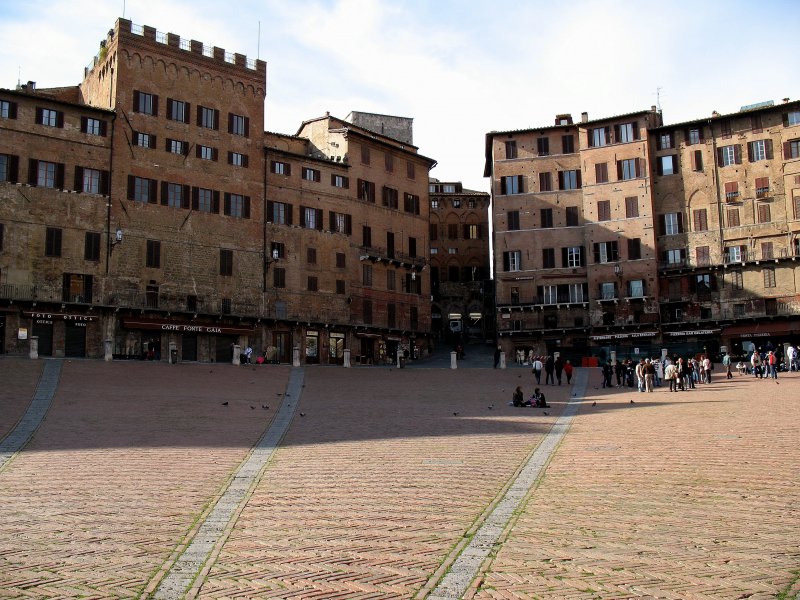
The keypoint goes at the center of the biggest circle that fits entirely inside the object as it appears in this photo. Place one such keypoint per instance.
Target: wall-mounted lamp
(617, 269)
(273, 256)
(117, 239)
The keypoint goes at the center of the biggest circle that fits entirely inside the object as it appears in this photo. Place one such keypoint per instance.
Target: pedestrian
(772, 360)
(497, 352)
(549, 369)
(537, 369)
(649, 374)
(791, 357)
(640, 375)
(659, 371)
(680, 373)
(726, 362)
(619, 370)
(248, 352)
(559, 367)
(707, 368)
(607, 373)
(755, 362)
(671, 375)
(568, 371)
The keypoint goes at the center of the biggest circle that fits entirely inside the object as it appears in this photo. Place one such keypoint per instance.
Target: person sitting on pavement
(518, 399)
(539, 399)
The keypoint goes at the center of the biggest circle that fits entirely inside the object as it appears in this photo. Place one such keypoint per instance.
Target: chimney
(564, 119)
(31, 86)
(584, 117)
(653, 108)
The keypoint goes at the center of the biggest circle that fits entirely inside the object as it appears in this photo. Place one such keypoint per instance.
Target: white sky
(459, 68)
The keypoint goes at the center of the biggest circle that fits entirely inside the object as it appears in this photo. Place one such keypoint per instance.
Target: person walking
(497, 352)
(726, 362)
(568, 371)
(649, 374)
(619, 370)
(537, 369)
(559, 367)
(671, 375)
(549, 369)
(707, 368)
(772, 361)
(640, 375)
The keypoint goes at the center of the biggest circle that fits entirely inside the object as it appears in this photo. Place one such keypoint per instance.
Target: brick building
(612, 235)
(461, 287)
(143, 211)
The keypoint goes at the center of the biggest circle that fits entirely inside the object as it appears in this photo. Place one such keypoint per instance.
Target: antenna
(123, 9)
(258, 52)
(658, 98)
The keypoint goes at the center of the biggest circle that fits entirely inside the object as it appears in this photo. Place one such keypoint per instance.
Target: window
(452, 231)
(627, 169)
(141, 189)
(675, 257)
(93, 126)
(634, 249)
(700, 219)
(608, 290)
(411, 170)
(603, 210)
(206, 152)
(762, 187)
(366, 236)
(569, 180)
(729, 155)
(512, 260)
(341, 223)
(89, 180)
(627, 132)
(8, 109)
(388, 161)
(545, 182)
(572, 216)
(236, 205)
(365, 154)
(389, 197)
(366, 191)
(225, 262)
(310, 174)
(543, 146)
(731, 190)
(769, 277)
(601, 173)
(697, 160)
(146, 104)
(205, 200)
(735, 254)
(340, 260)
(513, 220)
(791, 118)
(207, 118)
(599, 136)
(91, 246)
(631, 207)
(548, 258)
(153, 260)
(9, 167)
(238, 125)
(312, 217)
(411, 204)
(49, 117)
(512, 184)
(46, 174)
(549, 294)
(52, 242)
(767, 252)
(764, 213)
(671, 223)
(434, 203)
(391, 280)
(725, 129)
(177, 110)
(665, 141)
(546, 215)
(694, 136)
(703, 256)
(791, 149)
(636, 288)
(759, 150)
(177, 147)
(456, 202)
(733, 217)
(472, 231)
(511, 149)
(277, 250)
(667, 165)
(312, 284)
(279, 277)
(737, 280)
(576, 293)
(237, 159)
(174, 195)
(452, 251)
(448, 188)
(366, 275)
(567, 144)
(340, 181)
(280, 168)
(144, 140)
(605, 252)
(367, 311)
(574, 257)
(340, 286)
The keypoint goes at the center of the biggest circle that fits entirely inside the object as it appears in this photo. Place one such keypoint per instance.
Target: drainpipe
(110, 188)
(719, 196)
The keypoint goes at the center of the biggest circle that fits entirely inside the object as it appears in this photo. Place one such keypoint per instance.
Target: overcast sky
(459, 68)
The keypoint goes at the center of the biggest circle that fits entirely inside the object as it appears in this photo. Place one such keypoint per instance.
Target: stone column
(347, 358)
(454, 360)
(502, 360)
(34, 348)
(109, 350)
(173, 353)
(237, 354)
(296, 356)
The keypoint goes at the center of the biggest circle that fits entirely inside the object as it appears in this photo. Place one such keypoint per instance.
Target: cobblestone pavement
(385, 474)
(17, 385)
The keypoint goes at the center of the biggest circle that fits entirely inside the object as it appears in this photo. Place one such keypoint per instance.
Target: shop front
(693, 342)
(623, 345)
(63, 334)
(742, 339)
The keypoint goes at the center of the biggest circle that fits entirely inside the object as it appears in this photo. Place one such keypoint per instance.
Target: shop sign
(186, 327)
(623, 336)
(22, 333)
(49, 317)
(694, 332)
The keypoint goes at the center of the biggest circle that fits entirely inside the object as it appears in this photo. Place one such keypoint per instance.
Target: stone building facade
(143, 216)
(624, 235)
(461, 287)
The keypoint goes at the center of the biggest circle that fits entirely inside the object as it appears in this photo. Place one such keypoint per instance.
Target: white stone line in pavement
(467, 566)
(37, 409)
(211, 532)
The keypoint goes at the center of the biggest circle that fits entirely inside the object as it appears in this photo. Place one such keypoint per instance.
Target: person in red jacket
(568, 371)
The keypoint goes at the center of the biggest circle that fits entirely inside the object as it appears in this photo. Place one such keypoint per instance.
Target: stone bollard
(237, 354)
(109, 351)
(502, 360)
(453, 360)
(34, 348)
(400, 364)
(346, 358)
(173, 353)
(296, 356)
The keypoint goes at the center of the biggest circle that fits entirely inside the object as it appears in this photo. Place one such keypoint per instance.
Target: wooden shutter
(165, 190)
(187, 108)
(195, 198)
(226, 208)
(750, 151)
(78, 186)
(597, 252)
(215, 202)
(13, 168)
(662, 225)
(247, 127)
(170, 102)
(246, 207)
(659, 165)
(12, 110)
(152, 191)
(33, 171)
(680, 222)
(131, 187)
(502, 188)
(506, 261)
(564, 257)
(155, 105)
(635, 126)
(105, 178)
(230, 122)
(84, 124)
(216, 119)
(214, 154)
(135, 100)
(289, 212)
(561, 180)
(320, 216)
(270, 211)
(199, 119)
(719, 157)
(39, 116)
(59, 176)
(619, 170)
(768, 149)
(737, 153)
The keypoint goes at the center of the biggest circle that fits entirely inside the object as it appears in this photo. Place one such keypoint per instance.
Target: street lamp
(117, 239)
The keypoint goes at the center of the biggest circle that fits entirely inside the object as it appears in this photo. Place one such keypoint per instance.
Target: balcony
(400, 259)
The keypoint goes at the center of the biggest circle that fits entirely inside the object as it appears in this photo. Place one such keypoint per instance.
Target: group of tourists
(553, 368)
(648, 373)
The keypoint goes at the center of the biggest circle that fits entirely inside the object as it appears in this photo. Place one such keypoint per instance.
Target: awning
(763, 330)
(623, 336)
(693, 332)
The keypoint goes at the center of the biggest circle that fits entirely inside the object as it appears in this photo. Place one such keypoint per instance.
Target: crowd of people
(679, 373)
